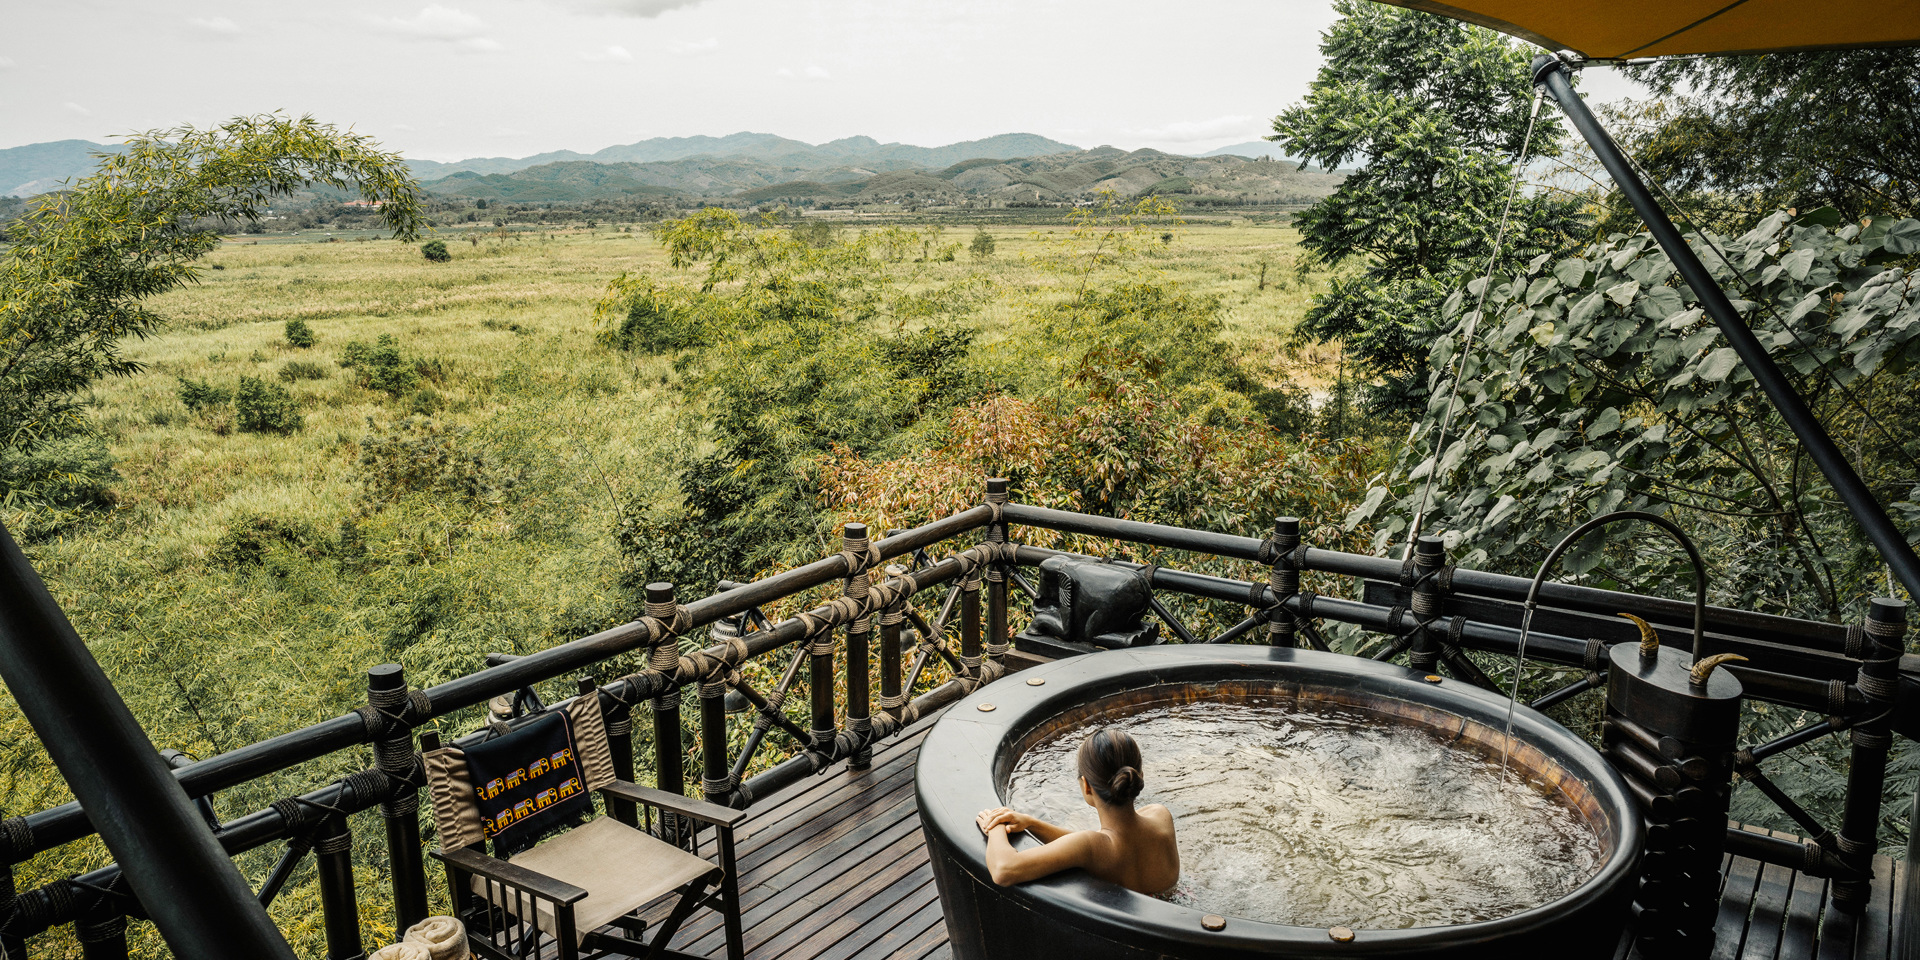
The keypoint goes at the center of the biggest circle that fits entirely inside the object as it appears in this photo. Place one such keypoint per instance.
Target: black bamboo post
(1283, 578)
(822, 728)
(1879, 682)
(1429, 556)
(340, 910)
(970, 626)
(102, 928)
(858, 585)
(616, 712)
(996, 639)
(390, 712)
(714, 783)
(173, 864)
(891, 697)
(668, 752)
(17, 839)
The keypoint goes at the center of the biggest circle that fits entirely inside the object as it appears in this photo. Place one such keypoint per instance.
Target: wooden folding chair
(575, 894)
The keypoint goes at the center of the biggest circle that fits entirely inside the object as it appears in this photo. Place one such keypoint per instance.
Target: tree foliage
(1742, 136)
(81, 264)
(1597, 383)
(1436, 111)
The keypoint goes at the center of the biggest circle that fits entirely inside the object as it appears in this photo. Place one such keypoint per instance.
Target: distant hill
(760, 167)
(769, 148)
(1254, 149)
(39, 167)
(1049, 178)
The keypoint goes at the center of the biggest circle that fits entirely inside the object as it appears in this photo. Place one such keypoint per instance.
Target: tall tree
(1435, 111)
(1741, 137)
(81, 263)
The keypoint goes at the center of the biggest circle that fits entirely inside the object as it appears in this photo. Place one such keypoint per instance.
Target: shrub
(381, 366)
(200, 396)
(45, 487)
(300, 335)
(657, 320)
(248, 540)
(982, 245)
(425, 401)
(302, 370)
(419, 455)
(436, 251)
(262, 407)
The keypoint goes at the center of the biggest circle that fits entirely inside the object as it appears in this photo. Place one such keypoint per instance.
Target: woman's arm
(1019, 822)
(1009, 866)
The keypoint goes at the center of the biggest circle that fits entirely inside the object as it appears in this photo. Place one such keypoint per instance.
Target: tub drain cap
(1214, 921)
(1340, 934)
(985, 708)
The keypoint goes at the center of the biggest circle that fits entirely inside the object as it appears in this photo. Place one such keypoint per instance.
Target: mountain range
(40, 167)
(863, 151)
(759, 167)
(1049, 178)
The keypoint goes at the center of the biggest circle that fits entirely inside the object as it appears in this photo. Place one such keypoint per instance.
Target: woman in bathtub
(1134, 848)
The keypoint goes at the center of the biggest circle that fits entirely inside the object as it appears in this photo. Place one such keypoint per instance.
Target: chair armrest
(688, 806)
(500, 871)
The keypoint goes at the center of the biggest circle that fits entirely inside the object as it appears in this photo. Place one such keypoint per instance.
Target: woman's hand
(998, 817)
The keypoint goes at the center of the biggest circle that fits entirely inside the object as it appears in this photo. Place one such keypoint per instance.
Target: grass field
(243, 582)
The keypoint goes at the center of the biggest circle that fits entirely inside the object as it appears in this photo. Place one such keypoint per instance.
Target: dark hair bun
(1110, 761)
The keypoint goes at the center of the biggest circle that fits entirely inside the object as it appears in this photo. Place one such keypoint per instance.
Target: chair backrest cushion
(528, 781)
(456, 808)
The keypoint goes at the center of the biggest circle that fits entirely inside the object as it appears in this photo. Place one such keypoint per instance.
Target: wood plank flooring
(835, 869)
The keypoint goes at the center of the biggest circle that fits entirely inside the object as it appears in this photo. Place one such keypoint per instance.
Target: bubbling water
(1325, 818)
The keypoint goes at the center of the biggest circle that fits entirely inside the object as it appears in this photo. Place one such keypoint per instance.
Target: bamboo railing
(1431, 612)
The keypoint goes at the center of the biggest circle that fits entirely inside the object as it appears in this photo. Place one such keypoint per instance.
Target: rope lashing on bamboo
(666, 621)
(997, 535)
(695, 666)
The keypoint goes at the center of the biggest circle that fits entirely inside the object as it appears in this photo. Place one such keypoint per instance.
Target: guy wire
(1473, 325)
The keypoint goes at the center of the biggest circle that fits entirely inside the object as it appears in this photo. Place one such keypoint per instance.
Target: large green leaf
(1903, 237)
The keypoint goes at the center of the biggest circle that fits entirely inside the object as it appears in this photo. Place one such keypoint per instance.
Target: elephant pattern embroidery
(527, 781)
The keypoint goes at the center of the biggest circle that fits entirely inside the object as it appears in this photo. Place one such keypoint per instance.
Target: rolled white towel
(444, 937)
(404, 950)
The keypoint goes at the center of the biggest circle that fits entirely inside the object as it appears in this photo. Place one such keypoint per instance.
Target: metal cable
(1473, 325)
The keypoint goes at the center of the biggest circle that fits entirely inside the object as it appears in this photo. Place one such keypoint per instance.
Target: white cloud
(1188, 131)
(812, 72)
(688, 48)
(5, 62)
(628, 8)
(609, 55)
(220, 25)
(76, 108)
(441, 24)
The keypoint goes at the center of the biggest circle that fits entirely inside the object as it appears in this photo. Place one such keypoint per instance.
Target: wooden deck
(835, 869)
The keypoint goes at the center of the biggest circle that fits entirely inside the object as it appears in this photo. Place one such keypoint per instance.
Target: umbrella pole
(166, 851)
(1552, 73)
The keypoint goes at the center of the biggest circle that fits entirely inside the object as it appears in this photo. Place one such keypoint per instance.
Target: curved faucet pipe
(1672, 529)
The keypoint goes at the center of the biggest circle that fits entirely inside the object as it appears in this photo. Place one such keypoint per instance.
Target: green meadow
(241, 582)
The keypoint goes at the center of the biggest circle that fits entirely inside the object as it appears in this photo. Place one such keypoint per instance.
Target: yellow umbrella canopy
(1650, 28)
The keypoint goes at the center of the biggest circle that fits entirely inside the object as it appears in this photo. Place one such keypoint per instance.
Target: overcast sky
(465, 78)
